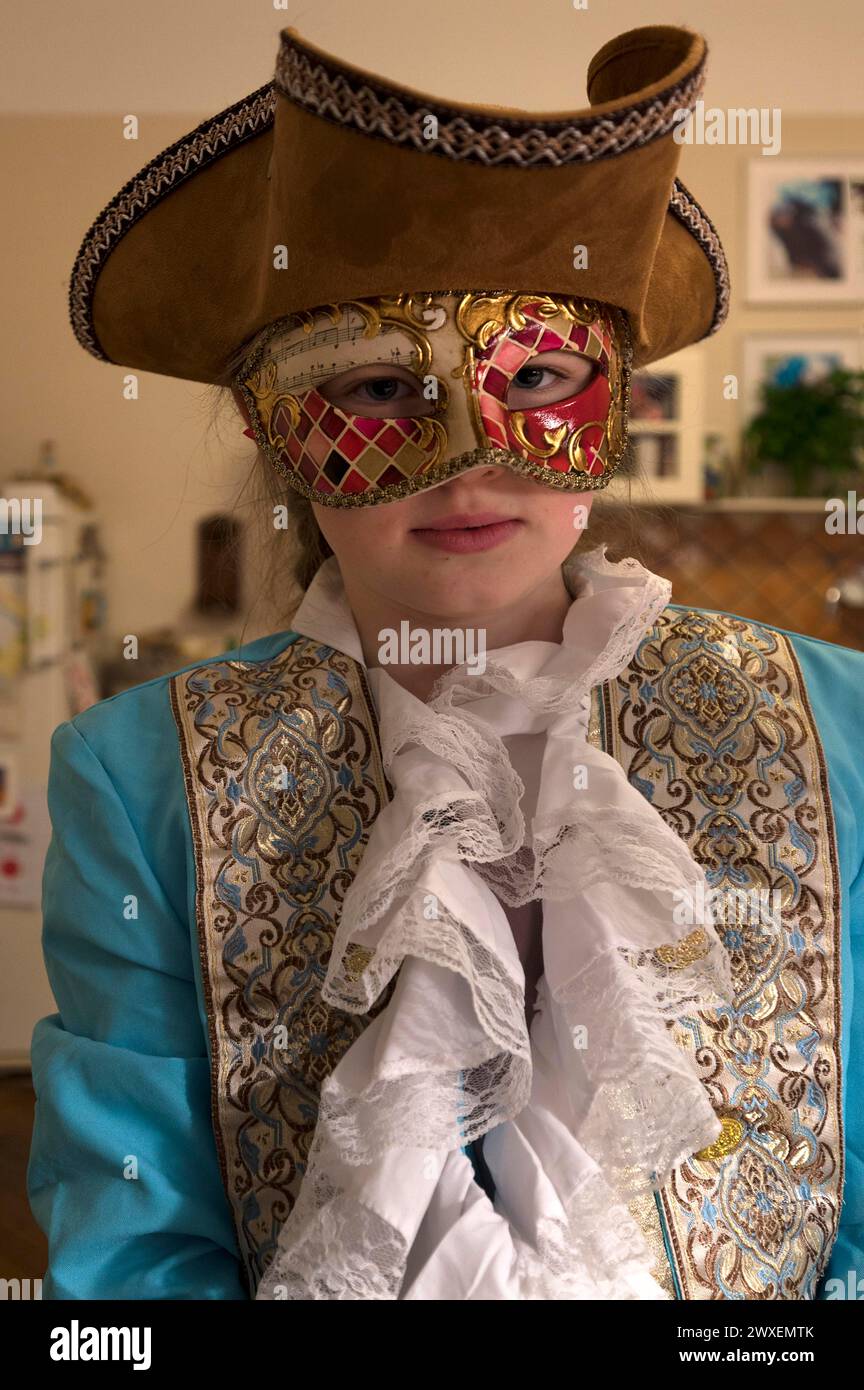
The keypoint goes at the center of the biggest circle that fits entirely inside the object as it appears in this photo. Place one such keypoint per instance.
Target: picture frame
(666, 427)
(805, 230)
(793, 357)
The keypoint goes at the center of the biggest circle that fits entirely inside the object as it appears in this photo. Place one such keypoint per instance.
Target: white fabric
(599, 1103)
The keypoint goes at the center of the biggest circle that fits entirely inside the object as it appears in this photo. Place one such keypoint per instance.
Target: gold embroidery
(283, 774)
(743, 780)
(683, 953)
(643, 1209)
(731, 1134)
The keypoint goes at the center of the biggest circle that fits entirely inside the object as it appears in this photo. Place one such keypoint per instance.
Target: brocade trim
(684, 206)
(388, 112)
(283, 782)
(712, 723)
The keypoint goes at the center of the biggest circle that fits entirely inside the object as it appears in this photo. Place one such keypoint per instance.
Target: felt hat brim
(331, 183)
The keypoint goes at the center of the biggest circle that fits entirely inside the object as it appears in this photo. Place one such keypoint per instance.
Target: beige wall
(154, 465)
(160, 56)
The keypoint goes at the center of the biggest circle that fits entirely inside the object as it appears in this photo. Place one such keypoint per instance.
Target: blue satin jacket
(123, 1174)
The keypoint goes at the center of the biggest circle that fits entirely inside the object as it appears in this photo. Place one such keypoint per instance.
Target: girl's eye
(380, 396)
(530, 377)
(560, 377)
(382, 388)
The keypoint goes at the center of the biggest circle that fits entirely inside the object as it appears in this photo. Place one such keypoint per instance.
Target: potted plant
(813, 431)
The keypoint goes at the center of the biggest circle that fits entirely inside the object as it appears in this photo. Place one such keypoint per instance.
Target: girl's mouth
(464, 534)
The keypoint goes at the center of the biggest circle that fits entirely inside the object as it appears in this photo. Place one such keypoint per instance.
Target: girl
(490, 933)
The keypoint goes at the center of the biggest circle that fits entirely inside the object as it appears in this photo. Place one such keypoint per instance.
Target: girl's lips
(467, 539)
(455, 521)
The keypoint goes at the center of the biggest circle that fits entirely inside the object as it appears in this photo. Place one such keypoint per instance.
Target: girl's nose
(488, 472)
(463, 432)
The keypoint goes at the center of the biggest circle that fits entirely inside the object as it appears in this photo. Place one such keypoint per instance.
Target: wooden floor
(23, 1248)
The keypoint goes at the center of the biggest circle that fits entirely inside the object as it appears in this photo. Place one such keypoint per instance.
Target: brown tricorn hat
(330, 183)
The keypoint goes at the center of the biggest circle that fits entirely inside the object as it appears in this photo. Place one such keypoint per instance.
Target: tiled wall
(773, 566)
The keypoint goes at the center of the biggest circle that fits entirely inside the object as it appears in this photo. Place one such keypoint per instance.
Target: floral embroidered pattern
(712, 723)
(283, 780)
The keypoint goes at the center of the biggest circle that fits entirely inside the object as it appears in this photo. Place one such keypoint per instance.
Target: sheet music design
(303, 358)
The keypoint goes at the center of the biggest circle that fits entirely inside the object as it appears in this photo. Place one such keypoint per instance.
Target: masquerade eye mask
(349, 454)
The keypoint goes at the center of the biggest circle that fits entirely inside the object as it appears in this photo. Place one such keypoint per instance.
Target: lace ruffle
(450, 1058)
(348, 1252)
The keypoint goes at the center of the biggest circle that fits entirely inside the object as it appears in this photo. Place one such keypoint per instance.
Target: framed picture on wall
(657, 455)
(667, 430)
(805, 230)
(788, 359)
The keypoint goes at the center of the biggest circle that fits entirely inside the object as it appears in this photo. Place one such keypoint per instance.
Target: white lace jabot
(599, 1102)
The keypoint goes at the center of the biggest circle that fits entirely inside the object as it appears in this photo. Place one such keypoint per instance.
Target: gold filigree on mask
(478, 316)
(262, 385)
(575, 452)
(554, 438)
(414, 314)
(430, 430)
(481, 317)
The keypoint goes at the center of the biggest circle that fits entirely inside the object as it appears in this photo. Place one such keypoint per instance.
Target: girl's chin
(456, 594)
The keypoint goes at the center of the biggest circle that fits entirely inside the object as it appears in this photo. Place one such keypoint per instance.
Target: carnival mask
(319, 415)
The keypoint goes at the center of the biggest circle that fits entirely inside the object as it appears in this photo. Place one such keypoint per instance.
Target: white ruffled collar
(606, 595)
(599, 1101)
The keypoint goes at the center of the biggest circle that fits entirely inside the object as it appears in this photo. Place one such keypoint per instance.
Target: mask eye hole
(380, 390)
(551, 377)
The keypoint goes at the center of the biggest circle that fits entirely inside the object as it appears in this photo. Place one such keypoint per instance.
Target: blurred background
(748, 448)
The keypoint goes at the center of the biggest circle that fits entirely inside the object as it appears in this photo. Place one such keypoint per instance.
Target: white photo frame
(667, 428)
(793, 357)
(805, 230)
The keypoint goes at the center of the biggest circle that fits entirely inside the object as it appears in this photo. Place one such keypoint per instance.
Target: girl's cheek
(356, 530)
(569, 507)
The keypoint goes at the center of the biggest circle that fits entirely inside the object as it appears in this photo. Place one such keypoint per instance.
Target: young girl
(491, 933)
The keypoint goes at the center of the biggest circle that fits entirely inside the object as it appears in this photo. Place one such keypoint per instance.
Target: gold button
(731, 1135)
